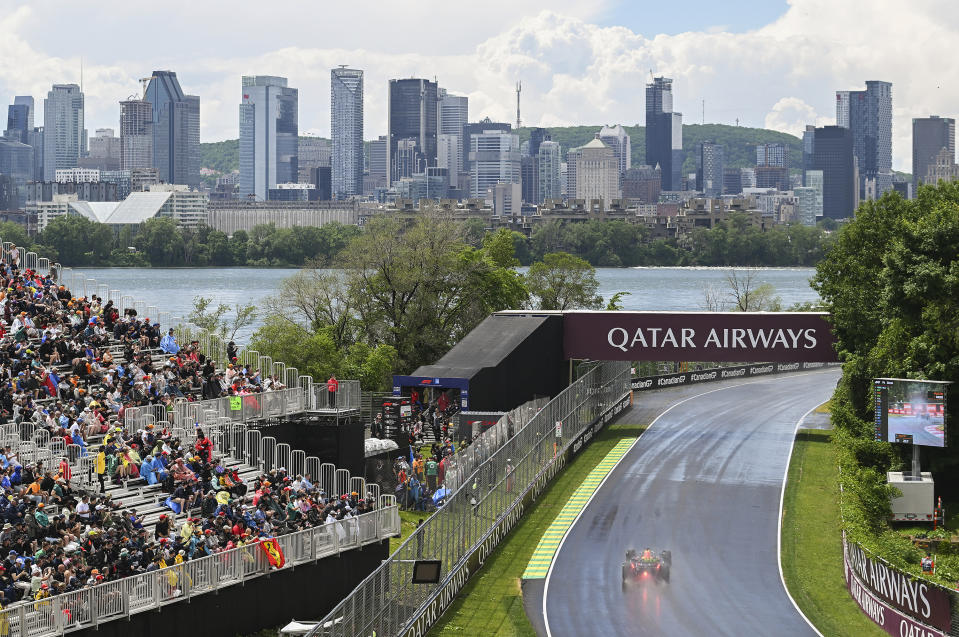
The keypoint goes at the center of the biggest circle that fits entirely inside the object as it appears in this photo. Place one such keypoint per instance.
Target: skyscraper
(346, 121)
(808, 146)
(868, 114)
(379, 170)
(474, 128)
(536, 137)
(617, 138)
(16, 162)
(412, 116)
(176, 130)
(929, 136)
(494, 159)
(710, 162)
(136, 135)
(529, 178)
(64, 137)
(772, 166)
(597, 172)
(664, 132)
(447, 156)
(452, 115)
(550, 164)
(268, 135)
(833, 155)
(19, 119)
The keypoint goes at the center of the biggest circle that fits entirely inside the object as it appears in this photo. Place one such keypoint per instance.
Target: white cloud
(782, 75)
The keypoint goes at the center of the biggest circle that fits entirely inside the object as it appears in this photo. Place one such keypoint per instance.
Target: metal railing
(89, 607)
(386, 602)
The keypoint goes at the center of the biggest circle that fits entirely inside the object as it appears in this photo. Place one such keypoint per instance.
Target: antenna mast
(519, 88)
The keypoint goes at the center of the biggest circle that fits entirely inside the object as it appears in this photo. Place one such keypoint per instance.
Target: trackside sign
(699, 336)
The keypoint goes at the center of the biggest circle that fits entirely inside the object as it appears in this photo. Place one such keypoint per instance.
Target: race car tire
(664, 573)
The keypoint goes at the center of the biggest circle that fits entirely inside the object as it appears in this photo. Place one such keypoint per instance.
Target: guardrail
(746, 370)
(106, 602)
(479, 514)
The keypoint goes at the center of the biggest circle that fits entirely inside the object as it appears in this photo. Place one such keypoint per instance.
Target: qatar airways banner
(699, 336)
(900, 603)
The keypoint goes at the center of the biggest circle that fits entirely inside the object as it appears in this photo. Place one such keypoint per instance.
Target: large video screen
(910, 411)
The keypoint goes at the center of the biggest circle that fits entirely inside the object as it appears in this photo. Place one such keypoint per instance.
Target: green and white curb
(542, 557)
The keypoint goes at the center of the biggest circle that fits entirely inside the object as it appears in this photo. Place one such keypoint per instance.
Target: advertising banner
(699, 336)
(898, 602)
(723, 373)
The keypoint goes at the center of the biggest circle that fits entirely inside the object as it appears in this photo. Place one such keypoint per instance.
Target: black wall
(306, 592)
(339, 443)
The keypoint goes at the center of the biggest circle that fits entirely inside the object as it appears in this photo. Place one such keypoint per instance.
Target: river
(666, 289)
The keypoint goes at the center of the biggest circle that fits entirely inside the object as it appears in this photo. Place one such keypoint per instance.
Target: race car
(646, 565)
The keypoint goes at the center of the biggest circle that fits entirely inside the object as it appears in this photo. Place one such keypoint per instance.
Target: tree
(745, 295)
(78, 241)
(215, 320)
(562, 281)
(161, 240)
(615, 302)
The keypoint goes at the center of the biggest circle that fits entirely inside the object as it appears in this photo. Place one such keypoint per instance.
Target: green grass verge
(812, 540)
(408, 522)
(491, 603)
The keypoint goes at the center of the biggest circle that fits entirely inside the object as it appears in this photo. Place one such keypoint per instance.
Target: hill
(739, 142)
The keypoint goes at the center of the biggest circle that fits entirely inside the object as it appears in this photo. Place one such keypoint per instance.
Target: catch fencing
(478, 514)
(89, 607)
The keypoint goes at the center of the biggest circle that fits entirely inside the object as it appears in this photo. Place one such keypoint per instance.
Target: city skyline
(793, 87)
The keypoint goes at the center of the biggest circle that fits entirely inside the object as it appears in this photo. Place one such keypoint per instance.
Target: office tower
(732, 181)
(774, 155)
(485, 124)
(311, 152)
(709, 169)
(16, 162)
(452, 115)
(346, 124)
(644, 183)
(494, 158)
(868, 114)
(748, 177)
(412, 117)
(572, 159)
(268, 135)
(834, 156)
(529, 178)
(104, 151)
(176, 130)
(929, 136)
(805, 205)
(64, 135)
(664, 132)
(448, 156)
(814, 180)
(597, 172)
(808, 146)
(322, 178)
(19, 119)
(536, 137)
(379, 166)
(550, 165)
(616, 138)
(35, 141)
(136, 135)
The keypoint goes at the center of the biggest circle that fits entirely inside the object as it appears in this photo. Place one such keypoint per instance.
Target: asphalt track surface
(704, 481)
(917, 427)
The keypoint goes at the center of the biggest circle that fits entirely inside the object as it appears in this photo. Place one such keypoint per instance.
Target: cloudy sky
(766, 62)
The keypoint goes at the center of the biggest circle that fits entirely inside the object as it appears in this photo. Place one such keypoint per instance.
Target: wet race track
(704, 482)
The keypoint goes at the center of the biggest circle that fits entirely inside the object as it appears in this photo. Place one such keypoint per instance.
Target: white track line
(559, 548)
(779, 537)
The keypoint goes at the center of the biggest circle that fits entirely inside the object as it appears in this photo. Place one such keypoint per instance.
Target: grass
(825, 408)
(408, 522)
(491, 603)
(812, 540)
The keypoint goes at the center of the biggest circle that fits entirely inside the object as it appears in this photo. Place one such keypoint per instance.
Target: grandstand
(125, 488)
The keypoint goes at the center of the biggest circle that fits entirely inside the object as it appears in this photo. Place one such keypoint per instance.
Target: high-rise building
(494, 159)
(312, 152)
(710, 163)
(474, 128)
(64, 138)
(536, 137)
(16, 162)
(550, 165)
(664, 132)
(929, 136)
(617, 138)
(19, 119)
(176, 130)
(732, 181)
(346, 122)
(104, 151)
(833, 155)
(868, 114)
(378, 165)
(644, 183)
(448, 156)
(412, 116)
(136, 135)
(942, 168)
(529, 178)
(452, 113)
(772, 166)
(808, 147)
(268, 135)
(814, 180)
(597, 172)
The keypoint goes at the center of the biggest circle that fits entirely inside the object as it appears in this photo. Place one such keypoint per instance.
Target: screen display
(910, 411)
(426, 571)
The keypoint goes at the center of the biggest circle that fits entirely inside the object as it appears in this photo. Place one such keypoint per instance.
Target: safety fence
(89, 607)
(478, 514)
(743, 370)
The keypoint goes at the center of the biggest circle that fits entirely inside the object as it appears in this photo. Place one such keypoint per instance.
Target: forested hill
(739, 141)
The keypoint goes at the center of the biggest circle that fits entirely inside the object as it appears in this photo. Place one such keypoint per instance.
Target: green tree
(78, 241)
(562, 281)
(161, 240)
(217, 320)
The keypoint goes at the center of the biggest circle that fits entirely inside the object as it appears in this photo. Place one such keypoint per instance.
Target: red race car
(646, 565)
